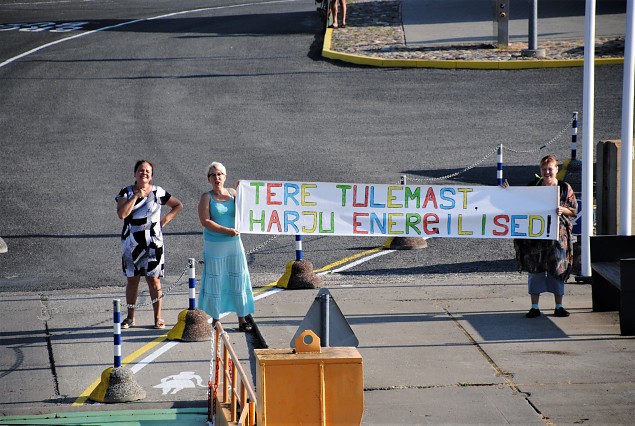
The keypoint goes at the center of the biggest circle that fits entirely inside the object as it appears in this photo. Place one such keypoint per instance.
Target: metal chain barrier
(450, 176)
(492, 152)
(214, 374)
(261, 245)
(532, 151)
(155, 300)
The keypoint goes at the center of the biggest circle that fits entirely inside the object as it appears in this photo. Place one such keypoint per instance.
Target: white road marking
(110, 27)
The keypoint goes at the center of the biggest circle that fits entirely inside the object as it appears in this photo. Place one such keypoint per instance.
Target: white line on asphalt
(154, 355)
(357, 262)
(110, 27)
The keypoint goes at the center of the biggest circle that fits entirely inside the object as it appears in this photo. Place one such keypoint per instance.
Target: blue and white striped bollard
(298, 247)
(116, 322)
(499, 166)
(191, 264)
(574, 135)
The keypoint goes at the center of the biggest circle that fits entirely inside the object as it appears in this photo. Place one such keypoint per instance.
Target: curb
(327, 52)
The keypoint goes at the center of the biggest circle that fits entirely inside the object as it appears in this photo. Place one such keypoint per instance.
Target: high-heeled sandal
(245, 327)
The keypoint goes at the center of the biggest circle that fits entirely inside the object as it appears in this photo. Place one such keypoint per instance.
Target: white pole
(587, 136)
(626, 173)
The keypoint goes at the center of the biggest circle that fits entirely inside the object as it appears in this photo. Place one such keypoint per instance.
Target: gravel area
(375, 30)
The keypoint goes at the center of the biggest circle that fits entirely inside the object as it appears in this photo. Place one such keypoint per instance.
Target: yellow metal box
(309, 386)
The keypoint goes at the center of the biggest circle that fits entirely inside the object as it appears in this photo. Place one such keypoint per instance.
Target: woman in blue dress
(225, 283)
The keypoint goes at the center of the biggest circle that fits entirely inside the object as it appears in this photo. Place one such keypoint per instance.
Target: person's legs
(343, 13)
(557, 288)
(536, 285)
(334, 11)
(243, 325)
(154, 284)
(535, 310)
(132, 291)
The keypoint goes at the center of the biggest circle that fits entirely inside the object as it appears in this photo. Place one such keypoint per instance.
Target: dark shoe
(533, 313)
(561, 312)
(245, 327)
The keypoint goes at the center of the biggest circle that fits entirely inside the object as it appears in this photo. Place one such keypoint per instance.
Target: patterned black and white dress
(141, 237)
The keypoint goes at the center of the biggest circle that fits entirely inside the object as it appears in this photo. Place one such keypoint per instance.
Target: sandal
(245, 327)
(160, 324)
(127, 323)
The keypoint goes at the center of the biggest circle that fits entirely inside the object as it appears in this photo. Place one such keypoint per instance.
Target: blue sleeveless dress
(225, 281)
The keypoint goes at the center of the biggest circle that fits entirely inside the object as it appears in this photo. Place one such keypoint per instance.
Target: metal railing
(227, 373)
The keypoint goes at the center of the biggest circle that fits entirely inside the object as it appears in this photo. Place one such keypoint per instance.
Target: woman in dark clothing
(548, 262)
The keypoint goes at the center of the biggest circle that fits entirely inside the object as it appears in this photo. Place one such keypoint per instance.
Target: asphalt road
(190, 82)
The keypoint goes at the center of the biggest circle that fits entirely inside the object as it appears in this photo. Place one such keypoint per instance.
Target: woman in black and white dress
(142, 252)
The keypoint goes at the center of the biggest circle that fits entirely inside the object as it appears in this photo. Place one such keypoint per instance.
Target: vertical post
(402, 180)
(626, 172)
(326, 320)
(532, 42)
(499, 165)
(191, 265)
(298, 247)
(588, 94)
(574, 135)
(116, 323)
(501, 12)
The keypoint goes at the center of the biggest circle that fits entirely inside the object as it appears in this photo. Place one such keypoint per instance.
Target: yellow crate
(309, 385)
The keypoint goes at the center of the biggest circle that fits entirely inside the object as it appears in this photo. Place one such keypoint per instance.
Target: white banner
(463, 211)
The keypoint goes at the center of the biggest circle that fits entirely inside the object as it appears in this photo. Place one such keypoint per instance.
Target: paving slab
(436, 349)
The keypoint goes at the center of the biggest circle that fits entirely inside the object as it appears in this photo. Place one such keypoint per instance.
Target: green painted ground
(181, 417)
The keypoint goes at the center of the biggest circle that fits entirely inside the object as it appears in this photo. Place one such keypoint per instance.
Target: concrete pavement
(451, 22)
(433, 34)
(436, 350)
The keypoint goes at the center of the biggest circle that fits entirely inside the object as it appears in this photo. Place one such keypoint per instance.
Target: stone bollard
(117, 385)
(192, 326)
(408, 243)
(302, 276)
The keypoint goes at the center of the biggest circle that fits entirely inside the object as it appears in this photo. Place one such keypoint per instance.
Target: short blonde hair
(216, 165)
(549, 159)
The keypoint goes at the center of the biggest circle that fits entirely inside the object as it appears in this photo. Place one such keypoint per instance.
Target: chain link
(450, 176)
(172, 286)
(212, 386)
(531, 151)
(261, 245)
(156, 299)
(492, 152)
